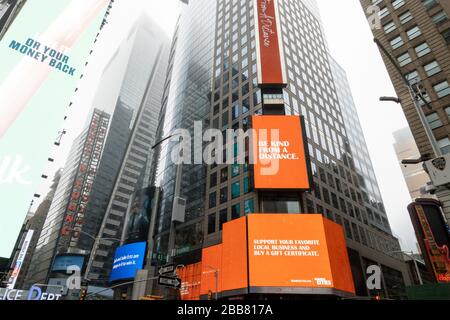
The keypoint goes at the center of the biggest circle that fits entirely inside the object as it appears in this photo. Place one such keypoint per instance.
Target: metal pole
(419, 276)
(217, 284)
(418, 108)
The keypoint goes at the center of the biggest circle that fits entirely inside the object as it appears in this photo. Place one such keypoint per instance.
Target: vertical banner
(18, 264)
(271, 69)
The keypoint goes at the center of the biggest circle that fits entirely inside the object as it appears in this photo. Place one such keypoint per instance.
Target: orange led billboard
(279, 153)
(271, 69)
(278, 253)
(297, 251)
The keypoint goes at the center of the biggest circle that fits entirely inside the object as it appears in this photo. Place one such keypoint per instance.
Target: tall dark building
(415, 35)
(213, 78)
(138, 68)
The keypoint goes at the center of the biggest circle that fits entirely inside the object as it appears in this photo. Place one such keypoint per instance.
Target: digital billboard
(433, 236)
(127, 260)
(278, 253)
(281, 161)
(293, 251)
(138, 219)
(63, 262)
(271, 69)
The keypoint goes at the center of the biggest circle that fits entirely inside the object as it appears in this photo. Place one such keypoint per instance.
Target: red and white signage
(271, 69)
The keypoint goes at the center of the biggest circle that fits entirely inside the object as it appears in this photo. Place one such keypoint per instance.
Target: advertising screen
(289, 251)
(433, 236)
(279, 153)
(292, 253)
(127, 260)
(270, 57)
(62, 262)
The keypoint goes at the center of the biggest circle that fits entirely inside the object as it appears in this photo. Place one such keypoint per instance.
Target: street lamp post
(216, 274)
(414, 96)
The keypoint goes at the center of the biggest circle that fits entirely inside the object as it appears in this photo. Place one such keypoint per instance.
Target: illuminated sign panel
(63, 262)
(84, 180)
(275, 253)
(279, 153)
(433, 235)
(20, 259)
(271, 70)
(127, 260)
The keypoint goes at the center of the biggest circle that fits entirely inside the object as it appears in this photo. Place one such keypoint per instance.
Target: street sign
(172, 282)
(169, 268)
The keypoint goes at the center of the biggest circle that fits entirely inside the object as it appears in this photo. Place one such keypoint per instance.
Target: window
(247, 186)
(405, 17)
(389, 27)
(211, 223)
(442, 89)
(235, 190)
(383, 13)
(422, 49)
(213, 180)
(440, 17)
(223, 218)
(444, 145)
(413, 77)
(212, 200)
(428, 4)
(235, 170)
(434, 121)
(398, 3)
(224, 174)
(249, 206)
(446, 35)
(404, 59)
(223, 195)
(235, 211)
(432, 68)
(413, 33)
(397, 42)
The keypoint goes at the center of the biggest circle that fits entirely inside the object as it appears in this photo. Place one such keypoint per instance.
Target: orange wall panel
(339, 261)
(234, 255)
(211, 261)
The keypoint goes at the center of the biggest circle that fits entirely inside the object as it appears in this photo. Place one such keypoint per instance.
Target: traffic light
(83, 294)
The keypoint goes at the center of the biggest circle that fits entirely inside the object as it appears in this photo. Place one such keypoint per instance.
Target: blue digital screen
(63, 262)
(127, 260)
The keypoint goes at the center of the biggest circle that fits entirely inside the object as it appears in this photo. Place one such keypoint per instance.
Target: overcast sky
(350, 42)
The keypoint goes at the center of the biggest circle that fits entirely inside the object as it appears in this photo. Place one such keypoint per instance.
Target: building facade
(415, 35)
(213, 78)
(143, 60)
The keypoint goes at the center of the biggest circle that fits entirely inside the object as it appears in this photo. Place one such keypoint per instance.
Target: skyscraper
(142, 60)
(69, 202)
(108, 161)
(213, 78)
(415, 37)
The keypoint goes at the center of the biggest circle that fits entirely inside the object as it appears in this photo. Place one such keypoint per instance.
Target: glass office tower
(213, 78)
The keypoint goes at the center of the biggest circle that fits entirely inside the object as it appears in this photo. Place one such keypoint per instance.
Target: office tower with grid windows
(213, 78)
(415, 35)
(138, 68)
